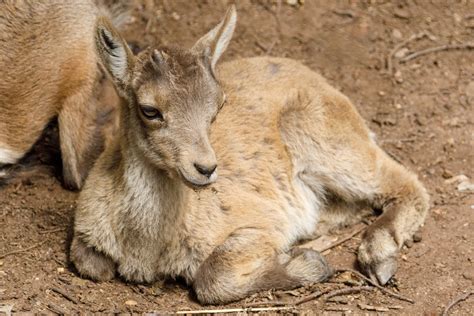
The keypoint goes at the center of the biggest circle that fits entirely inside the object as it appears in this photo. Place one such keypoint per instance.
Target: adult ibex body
(49, 67)
(289, 150)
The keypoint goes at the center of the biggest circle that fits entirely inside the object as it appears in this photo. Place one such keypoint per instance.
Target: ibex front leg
(404, 202)
(248, 261)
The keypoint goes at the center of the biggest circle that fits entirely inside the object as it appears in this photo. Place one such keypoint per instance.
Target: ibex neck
(156, 201)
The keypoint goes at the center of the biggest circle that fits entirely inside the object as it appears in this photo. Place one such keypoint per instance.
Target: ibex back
(49, 68)
(221, 198)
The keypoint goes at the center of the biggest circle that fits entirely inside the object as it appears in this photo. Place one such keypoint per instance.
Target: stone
(470, 89)
(396, 34)
(417, 237)
(402, 52)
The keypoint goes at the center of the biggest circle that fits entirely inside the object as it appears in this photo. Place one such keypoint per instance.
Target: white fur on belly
(8, 155)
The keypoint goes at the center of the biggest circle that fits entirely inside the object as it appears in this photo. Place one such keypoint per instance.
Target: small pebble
(457, 18)
(398, 76)
(401, 13)
(409, 243)
(470, 90)
(175, 16)
(447, 174)
(417, 237)
(397, 34)
(60, 270)
(469, 275)
(131, 303)
(402, 52)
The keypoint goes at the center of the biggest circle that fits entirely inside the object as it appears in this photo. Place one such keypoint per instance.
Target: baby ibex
(287, 147)
(49, 68)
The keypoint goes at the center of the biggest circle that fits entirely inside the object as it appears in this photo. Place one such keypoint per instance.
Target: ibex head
(170, 98)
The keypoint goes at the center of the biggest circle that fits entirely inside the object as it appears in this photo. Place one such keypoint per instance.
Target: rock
(458, 178)
(175, 16)
(78, 282)
(452, 122)
(131, 303)
(6, 309)
(402, 52)
(470, 90)
(417, 237)
(60, 270)
(409, 243)
(396, 34)
(401, 13)
(398, 76)
(447, 174)
(469, 274)
(292, 2)
(457, 18)
(465, 186)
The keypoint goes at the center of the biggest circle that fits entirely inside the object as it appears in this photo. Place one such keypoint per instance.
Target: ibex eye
(151, 113)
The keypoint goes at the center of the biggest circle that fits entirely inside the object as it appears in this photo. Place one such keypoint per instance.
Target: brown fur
(290, 149)
(50, 68)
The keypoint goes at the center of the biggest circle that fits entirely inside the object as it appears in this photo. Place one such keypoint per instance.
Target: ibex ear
(214, 43)
(114, 53)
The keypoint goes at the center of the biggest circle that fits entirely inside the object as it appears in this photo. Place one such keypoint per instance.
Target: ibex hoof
(378, 256)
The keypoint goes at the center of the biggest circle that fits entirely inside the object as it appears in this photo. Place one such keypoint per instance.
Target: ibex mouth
(194, 183)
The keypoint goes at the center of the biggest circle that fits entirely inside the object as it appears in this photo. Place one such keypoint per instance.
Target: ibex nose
(205, 170)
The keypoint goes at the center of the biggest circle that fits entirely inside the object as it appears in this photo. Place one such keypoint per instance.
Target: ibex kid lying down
(49, 67)
(288, 148)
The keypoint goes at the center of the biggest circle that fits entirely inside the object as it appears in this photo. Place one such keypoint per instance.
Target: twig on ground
(55, 230)
(337, 243)
(234, 310)
(14, 252)
(349, 290)
(311, 297)
(345, 13)
(65, 295)
(412, 38)
(373, 308)
(381, 288)
(395, 307)
(56, 309)
(266, 304)
(436, 49)
(336, 309)
(456, 301)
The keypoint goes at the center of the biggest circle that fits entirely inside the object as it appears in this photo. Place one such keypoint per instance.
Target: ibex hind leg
(81, 136)
(90, 263)
(245, 264)
(331, 148)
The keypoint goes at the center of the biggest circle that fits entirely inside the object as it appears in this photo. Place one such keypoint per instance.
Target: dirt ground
(421, 111)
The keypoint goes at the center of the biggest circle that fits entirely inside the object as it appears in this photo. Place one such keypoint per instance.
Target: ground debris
(373, 308)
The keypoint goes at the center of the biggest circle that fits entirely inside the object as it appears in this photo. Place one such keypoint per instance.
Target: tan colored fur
(287, 145)
(49, 68)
